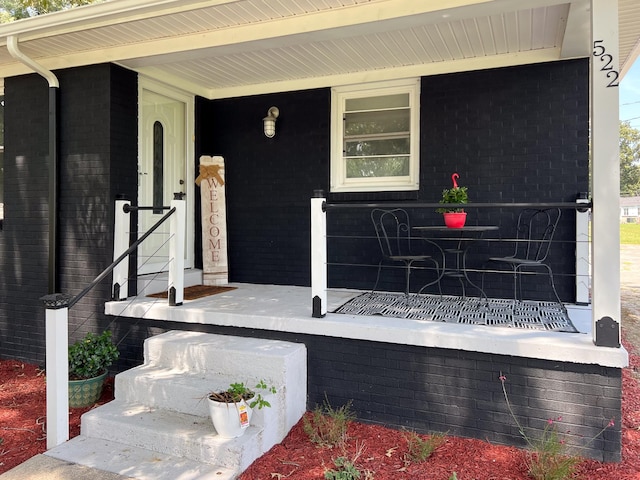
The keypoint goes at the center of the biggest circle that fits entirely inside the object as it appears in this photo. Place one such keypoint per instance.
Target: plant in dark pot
(232, 408)
(454, 217)
(89, 359)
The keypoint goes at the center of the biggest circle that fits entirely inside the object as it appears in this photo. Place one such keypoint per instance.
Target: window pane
(158, 167)
(364, 167)
(366, 123)
(393, 146)
(377, 103)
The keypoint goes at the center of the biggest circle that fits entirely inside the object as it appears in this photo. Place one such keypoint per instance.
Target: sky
(630, 96)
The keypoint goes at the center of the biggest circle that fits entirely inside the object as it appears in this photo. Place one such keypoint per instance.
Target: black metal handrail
(569, 205)
(124, 255)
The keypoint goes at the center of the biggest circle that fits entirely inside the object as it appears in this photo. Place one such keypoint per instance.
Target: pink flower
(502, 378)
(550, 421)
(611, 423)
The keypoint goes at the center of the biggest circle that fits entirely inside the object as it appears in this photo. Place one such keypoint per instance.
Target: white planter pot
(226, 418)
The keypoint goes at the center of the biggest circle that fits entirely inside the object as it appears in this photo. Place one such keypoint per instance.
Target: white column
(583, 265)
(57, 368)
(605, 132)
(121, 231)
(177, 226)
(318, 257)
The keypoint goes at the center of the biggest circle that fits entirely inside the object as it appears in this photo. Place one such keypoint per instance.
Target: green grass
(630, 233)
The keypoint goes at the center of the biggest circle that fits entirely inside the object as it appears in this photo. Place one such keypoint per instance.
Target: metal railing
(321, 241)
(57, 307)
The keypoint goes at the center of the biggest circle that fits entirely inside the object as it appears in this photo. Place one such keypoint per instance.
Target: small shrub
(91, 356)
(327, 426)
(346, 470)
(420, 449)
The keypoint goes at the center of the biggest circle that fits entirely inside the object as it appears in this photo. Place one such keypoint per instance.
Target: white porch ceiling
(224, 48)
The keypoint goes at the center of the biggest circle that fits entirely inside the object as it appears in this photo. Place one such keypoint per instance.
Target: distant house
(629, 209)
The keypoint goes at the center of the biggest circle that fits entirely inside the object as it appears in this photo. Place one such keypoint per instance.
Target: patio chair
(394, 237)
(534, 234)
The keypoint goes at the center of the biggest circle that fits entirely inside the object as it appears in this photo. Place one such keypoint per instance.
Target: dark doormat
(196, 291)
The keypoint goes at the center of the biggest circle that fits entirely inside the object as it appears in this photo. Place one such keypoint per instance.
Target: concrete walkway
(43, 467)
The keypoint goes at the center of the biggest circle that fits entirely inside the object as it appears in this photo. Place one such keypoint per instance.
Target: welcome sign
(214, 220)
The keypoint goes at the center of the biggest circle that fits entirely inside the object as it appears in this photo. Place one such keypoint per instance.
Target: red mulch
(22, 414)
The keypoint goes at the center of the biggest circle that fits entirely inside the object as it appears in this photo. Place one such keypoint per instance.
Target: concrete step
(160, 408)
(178, 390)
(135, 462)
(239, 359)
(171, 433)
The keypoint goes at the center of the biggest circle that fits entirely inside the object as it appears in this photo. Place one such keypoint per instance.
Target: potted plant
(454, 217)
(232, 422)
(89, 359)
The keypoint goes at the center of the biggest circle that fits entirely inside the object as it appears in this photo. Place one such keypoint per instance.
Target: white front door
(163, 170)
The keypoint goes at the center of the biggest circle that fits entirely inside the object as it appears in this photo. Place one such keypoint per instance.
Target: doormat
(495, 312)
(196, 291)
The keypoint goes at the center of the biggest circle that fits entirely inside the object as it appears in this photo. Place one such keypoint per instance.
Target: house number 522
(607, 60)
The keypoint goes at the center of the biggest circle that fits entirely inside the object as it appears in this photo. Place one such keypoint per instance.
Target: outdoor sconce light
(270, 122)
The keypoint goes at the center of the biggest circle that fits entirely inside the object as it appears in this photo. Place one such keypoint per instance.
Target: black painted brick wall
(453, 391)
(23, 241)
(97, 159)
(269, 181)
(513, 134)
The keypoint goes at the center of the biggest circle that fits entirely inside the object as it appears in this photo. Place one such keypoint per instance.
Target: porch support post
(605, 133)
(318, 255)
(120, 284)
(57, 368)
(583, 273)
(176, 252)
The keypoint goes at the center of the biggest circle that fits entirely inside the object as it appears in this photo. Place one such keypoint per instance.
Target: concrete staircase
(158, 426)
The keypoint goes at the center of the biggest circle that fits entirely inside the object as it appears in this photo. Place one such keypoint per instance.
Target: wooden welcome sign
(214, 221)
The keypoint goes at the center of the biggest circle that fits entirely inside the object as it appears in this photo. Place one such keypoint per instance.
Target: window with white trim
(375, 132)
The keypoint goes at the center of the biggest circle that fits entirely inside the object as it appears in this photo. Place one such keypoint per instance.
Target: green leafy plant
(453, 195)
(327, 426)
(419, 448)
(548, 458)
(454, 476)
(239, 391)
(346, 470)
(91, 356)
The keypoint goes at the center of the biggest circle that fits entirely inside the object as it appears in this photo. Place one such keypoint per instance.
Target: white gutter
(14, 51)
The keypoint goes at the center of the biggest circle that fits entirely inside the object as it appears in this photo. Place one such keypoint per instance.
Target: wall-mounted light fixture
(270, 122)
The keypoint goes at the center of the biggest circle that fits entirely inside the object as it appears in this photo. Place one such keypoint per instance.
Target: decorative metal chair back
(393, 231)
(535, 231)
(394, 237)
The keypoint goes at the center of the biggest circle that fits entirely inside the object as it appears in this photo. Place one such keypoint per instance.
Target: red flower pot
(455, 219)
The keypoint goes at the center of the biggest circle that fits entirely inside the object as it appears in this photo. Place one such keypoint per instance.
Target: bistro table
(455, 245)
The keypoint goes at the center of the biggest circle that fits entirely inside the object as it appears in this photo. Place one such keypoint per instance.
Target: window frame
(339, 96)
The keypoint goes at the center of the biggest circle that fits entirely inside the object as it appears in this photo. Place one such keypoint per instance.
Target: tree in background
(11, 10)
(629, 160)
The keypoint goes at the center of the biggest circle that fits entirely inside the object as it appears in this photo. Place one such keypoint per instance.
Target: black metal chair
(393, 230)
(535, 231)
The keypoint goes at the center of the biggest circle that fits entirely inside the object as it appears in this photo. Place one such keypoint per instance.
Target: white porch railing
(57, 308)
(319, 250)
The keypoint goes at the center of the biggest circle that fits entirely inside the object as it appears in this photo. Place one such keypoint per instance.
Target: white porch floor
(288, 309)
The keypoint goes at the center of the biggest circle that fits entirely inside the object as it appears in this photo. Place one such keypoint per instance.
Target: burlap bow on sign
(210, 171)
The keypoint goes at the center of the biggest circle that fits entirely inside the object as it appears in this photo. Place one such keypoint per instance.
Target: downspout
(12, 47)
